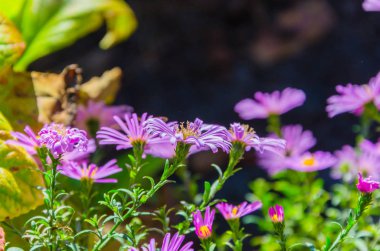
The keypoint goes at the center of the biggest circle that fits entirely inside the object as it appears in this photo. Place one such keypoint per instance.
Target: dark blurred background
(198, 58)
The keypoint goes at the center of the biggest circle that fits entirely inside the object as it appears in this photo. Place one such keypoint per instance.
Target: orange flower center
(234, 211)
(310, 161)
(204, 232)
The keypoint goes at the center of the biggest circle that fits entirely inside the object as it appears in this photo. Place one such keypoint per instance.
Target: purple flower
(310, 162)
(29, 141)
(353, 98)
(84, 171)
(203, 226)
(134, 132)
(99, 114)
(78, 156)
(367, 185)
(371, 5)
(297, 143)
(297, 140)
(234, 212)
(196, 134)
(248, 137)
(265, 104)
(168, 244)
(60, 139)
(276, 214)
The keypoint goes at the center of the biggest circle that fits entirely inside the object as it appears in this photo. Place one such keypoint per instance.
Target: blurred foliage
(47, 26)
(313, 216)
(19, 177)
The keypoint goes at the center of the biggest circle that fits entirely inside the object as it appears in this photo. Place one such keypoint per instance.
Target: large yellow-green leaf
(49, 25)
(19, 178)
(11, 42)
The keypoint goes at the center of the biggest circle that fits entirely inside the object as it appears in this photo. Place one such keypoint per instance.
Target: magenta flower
(265, 104)
(134, 132)
(353, 98)
(84, 171)
(203, 226)
(367, 185)
(99, 114)
(29, 141)
(371, 5)
(248, 137)
(310, 162)
(234, 212)
(60, 139)
(198, 135)
(276, 214)
(168, 244)
(297, 143)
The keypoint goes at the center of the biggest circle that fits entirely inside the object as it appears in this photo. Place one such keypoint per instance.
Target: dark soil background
(198, 58)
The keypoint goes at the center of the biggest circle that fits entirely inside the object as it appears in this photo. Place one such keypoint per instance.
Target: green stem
(138, 151)
(364, 201)
(236, 154)
(177, 163)
(274, 124)
(237, 234)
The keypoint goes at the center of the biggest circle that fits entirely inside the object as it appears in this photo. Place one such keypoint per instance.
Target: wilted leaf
(19, 178)
(36, 97)
(50, 25)
(11, 42)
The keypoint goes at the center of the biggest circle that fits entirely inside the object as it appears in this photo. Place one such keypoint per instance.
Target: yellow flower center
(310, 161)
(275, 218)
(204, 232)
(186, 130)
(234, 211)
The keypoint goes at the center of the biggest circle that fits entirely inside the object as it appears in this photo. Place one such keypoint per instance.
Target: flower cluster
(364, 159)
(296, 155)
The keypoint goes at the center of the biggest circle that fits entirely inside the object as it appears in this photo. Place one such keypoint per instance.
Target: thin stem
(364, 201)
(177, 163)
(274, 124)
(237, 234)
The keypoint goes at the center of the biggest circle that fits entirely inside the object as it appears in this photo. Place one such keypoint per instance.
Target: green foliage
(50, 25)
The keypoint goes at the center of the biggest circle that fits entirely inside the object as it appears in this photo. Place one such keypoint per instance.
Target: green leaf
(19, 178)
(50, 25)
(11, 42)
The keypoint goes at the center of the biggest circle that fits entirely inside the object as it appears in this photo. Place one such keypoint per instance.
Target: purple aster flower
(265, 104)
(203, 226)
(371, 5)
(60, 139)
(134, 132)
(367, 185)
(248, 137)
(276, 214)
(347, 160)
(353, 98)
(234, 212)
(297, 142)
(196, 134)
(79, 156)
(168, 244)
(29, 141)
(310, 162)
(97, 114)
(84, 171)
